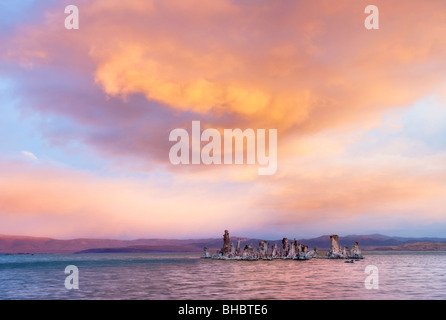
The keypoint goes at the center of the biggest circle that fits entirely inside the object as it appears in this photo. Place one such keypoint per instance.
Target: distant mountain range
(22, 244)
(415, 246)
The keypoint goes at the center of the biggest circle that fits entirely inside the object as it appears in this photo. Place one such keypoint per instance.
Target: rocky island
(288, 250)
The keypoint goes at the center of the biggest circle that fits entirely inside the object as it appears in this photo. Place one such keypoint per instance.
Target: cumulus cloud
(314, 68)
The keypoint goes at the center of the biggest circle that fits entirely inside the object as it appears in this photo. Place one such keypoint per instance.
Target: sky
(86, 116)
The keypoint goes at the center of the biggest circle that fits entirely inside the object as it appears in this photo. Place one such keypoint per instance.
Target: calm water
(184, 276)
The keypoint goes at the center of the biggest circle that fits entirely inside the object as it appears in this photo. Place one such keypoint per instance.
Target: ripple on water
(184, 276)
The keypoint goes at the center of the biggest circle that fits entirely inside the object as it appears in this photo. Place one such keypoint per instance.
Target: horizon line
(207, 238)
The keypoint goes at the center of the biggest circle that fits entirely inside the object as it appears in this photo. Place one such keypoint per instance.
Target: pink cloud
(136, 70)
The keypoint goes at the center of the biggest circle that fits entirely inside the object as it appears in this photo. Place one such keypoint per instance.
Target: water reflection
(184, 276)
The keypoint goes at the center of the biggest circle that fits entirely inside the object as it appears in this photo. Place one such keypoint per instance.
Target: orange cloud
(315, 67)
(308, 68)
(338, 189)
(41, 200)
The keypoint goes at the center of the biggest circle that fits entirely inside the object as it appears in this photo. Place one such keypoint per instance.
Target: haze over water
(185, 276)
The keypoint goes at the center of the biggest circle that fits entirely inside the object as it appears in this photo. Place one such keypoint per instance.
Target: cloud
(136, 70)
(42, 199)
(29, 155)
(315, 68)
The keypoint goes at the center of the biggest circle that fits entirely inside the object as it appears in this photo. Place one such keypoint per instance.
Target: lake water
(185, 276)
